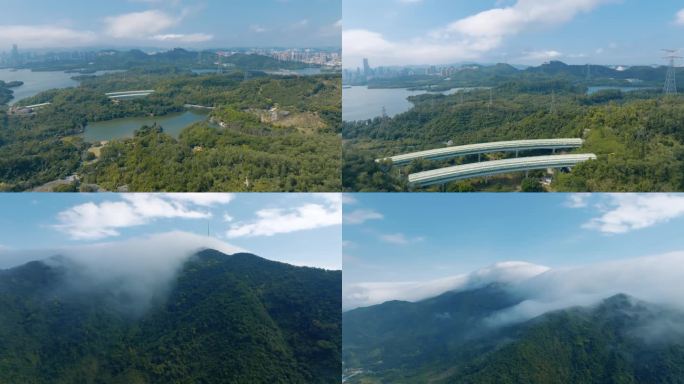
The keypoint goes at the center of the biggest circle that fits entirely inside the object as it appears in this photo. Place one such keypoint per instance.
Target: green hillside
(621, 340)
(225, 319)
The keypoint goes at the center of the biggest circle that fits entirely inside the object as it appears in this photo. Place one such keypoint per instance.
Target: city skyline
(178, 23)
(522, 32)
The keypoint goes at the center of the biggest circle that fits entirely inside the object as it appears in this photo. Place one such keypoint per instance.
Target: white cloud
(468, 38)
(399, 239)
(521, 16)
(138, 25)
(150, 25)
(360, 216)
(92, 221)
(347, 198)
(275, 221)
(679, 18)
(300, 24)
(40, 36)
(541, 55)
(228, 218)
(628, 212)
(182, 38)
(578, 200)
(655, 279)
(257, 28)
(365, 294)
(202, 199)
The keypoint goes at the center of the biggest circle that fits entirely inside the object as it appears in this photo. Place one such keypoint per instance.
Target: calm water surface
(37, 82)
(172, 124)
(594, 89)
(362, 103)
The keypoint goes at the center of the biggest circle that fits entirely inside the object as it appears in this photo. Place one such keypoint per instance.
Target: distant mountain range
(177, 58)
(223, 319)
(499, 74)
(450, 339)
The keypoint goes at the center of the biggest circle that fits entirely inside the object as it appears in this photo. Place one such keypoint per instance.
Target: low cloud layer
(655, 279)
(139, 269)
(366, 294)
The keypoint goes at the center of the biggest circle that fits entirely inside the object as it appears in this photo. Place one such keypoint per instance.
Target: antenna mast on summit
(671, 78)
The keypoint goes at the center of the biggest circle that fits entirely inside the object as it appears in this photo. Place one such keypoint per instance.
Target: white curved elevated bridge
(495, 167)
(476, 149)
(127, 94)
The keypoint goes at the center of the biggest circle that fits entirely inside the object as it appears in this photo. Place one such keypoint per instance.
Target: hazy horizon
(36, 24)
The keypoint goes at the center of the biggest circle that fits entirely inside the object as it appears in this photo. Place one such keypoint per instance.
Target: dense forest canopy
(448, 339)
(638, 137)
(239, 148)
(225, 319)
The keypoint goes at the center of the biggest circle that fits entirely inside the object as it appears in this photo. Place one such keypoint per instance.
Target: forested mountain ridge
(178, 57)
(619, 340)
(223, 319)
(478, 75)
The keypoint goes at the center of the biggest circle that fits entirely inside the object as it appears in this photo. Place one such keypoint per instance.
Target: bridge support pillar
(516, 153)
(479, 155)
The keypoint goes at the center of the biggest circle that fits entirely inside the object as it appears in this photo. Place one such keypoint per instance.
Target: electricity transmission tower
(671, 79)
(588, 72)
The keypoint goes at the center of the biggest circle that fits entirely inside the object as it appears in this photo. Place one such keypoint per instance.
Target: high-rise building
(14, 57)
(366, 68)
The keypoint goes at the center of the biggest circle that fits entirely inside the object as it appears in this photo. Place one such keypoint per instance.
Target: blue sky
(514, 31)
(394, 238)
(301, 229)
(167, 23)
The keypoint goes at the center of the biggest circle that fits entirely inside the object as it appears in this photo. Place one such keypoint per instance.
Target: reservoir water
(362, 103)
(299, 72)
(37, 82)
(172, 123)
(594, 89)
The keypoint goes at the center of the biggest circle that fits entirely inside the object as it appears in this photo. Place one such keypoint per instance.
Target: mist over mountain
(614, 322)
(202, 316)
